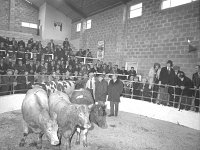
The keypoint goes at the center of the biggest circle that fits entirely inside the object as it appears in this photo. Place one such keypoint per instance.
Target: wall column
(12, 15)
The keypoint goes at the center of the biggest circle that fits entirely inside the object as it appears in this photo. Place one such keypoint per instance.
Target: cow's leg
(85, 132)
(26, 131)
(39, 142)
(68, 137)
(78, 131)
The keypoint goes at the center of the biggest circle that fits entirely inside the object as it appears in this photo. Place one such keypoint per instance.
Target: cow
(52, 86)
(36, 118)
(97, 113)
(69, 116)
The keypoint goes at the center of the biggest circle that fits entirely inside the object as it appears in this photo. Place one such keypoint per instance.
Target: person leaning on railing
(185, 85)
(196, 82)
(7, 82)
(167, 79)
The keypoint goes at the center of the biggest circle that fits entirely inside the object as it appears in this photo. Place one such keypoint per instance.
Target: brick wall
(13, 12)
(4, 14)
(156, 36)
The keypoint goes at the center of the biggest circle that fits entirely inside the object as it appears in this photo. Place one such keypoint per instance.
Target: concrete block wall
(13, 12)
(156, 36)
(4, 14)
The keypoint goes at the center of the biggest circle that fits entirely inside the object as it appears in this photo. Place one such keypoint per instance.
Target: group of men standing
(103, 90)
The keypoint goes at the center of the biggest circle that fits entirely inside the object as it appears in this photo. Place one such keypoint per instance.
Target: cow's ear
(54, 116)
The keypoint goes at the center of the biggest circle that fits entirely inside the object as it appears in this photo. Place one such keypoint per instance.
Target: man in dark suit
(196, 82)
(167, 79)
(115, 89)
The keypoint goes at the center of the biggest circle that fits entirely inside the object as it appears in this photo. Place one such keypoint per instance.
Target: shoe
(110, 115)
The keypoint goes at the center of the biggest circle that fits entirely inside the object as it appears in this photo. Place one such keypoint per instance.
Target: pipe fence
(172, 96)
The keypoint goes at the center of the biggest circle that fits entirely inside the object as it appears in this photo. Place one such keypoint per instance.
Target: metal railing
(173, 96)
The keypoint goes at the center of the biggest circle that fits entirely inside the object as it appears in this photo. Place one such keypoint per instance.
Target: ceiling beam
(106, 8)
(75, 9)
(125, 1)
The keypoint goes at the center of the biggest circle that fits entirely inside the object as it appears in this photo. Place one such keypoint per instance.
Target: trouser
(114, 108)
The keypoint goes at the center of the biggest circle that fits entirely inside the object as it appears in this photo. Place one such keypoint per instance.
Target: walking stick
(179, 103)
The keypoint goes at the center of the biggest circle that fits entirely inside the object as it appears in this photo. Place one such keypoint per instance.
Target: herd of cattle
(57, 109)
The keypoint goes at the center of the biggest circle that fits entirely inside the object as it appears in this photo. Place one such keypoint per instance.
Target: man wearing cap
(101, 88)
(115, 89)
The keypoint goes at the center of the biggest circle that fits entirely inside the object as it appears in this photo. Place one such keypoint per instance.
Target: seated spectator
(21, 42)
(20, 67)
(30, 41)
(123, 72)
(105, 69)
(80, 53)
(28, 48)
(3, 67)
(38, 67)
(2, 46)
(70, 69)
(132, 72)
(7, 83)
(59, 52)
(88, 53)
(14, 44)
(12, 64)
(63, 68)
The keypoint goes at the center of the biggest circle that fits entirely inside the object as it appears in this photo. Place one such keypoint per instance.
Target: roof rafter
(75, 9)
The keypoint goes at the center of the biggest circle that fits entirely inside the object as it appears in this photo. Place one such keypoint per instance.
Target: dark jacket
(167, 78)
(196, 79)
(187, 83)
(115, 90)
(101, 90)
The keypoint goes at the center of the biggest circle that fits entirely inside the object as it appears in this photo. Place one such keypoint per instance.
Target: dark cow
(97, 113)
(52, 86)
(36, 118)
(70, 116)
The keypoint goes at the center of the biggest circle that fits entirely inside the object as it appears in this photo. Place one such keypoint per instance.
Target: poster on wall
(101, 49)
(131, 64)
(58, 26)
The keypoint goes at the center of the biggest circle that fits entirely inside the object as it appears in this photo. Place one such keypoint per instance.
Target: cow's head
(98, 115)
(83, 115)
(50, 127)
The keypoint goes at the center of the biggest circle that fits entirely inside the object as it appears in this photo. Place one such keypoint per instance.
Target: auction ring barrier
(174, 99)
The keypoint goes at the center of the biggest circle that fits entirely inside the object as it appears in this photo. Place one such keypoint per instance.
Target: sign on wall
(131, 64)
(58, 26)
(101, 49)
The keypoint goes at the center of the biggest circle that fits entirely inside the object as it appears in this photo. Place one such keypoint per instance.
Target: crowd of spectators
(163, 85)
(24, 64)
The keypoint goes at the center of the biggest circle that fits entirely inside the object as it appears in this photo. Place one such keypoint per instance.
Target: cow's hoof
(85, 144)
(77, 143)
